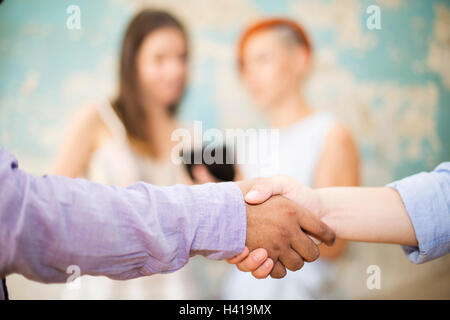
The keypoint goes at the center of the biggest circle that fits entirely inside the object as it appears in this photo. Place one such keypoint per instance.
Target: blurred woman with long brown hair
(135, 127)
(128, 139)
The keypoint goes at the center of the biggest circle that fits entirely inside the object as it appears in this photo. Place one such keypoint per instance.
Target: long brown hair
(127, 104)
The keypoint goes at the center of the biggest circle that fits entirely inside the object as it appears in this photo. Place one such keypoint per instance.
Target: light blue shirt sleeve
(426, 197)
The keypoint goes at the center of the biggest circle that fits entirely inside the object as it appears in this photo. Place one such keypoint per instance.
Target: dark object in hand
(222, 168)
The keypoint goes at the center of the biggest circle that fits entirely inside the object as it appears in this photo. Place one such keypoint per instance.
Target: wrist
(322, 205)
(326, 208)
(311, 199)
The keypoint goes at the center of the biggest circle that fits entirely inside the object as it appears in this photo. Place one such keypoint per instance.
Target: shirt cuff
(422, 198)
(222, 228)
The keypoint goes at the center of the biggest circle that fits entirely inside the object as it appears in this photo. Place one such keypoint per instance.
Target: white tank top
(297, 154)
(115, 162)
(298, 151)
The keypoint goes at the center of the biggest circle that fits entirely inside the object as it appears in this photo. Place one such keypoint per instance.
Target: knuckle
(291, 212)
(284, 233)
(276, 248)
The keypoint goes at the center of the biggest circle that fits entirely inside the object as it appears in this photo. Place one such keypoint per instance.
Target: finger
(305, 247)
(263, 270)
(278, 271)
(255, 259)
(264, 188)
(238, 258)
(317, 242)
(315, 227)
(291, 260)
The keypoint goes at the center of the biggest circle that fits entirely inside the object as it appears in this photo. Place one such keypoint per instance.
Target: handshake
(284, 227)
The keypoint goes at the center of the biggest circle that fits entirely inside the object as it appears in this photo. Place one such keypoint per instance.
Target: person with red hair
(274, 59)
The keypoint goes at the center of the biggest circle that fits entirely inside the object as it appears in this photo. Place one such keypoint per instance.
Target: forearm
(49, 223)
(366, 214)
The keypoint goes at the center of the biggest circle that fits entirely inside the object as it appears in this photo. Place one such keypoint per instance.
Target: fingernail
(317, 242)
(267, 263)
(252, 194)
(258, 256)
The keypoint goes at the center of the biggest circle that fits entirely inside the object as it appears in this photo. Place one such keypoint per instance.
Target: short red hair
(268, 24)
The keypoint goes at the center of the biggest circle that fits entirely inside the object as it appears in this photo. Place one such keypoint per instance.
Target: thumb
(264, 188)
(257, 195)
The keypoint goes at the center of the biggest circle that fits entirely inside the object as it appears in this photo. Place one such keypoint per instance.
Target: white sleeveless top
(299, 149)
(115, 163)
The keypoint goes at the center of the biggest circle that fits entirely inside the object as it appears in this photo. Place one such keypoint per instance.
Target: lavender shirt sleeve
(49, 223)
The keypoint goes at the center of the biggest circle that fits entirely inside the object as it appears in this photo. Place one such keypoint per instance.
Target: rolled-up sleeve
(426, 197)
(50, 223)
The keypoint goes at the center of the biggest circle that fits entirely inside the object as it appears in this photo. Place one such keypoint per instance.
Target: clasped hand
(282, 231)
